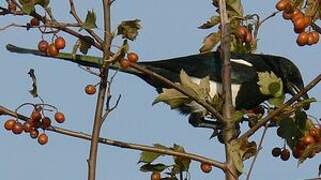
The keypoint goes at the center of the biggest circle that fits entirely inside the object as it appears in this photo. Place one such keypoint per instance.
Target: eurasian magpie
(244, 76)
(245, 68)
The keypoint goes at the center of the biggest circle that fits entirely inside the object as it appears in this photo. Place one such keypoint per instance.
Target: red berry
(276, 152)
(156, 175)
(132, 57)
(9, 124)
(283, 5)
(35, 116)
(34, 22)
(60, 43)
(45, 123)
(42, 139)
(59, 117)
(27, 126)
(52, 50)
(285, 154)
(43, 46)
(308, 139)
(34, 133)
(206, 168)
(90, 89)
(124, 63)
(17, 128)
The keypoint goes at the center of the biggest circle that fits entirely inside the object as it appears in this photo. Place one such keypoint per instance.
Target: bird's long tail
(84, 60)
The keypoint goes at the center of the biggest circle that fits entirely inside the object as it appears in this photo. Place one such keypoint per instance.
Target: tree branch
(121, 144)
(229, 131)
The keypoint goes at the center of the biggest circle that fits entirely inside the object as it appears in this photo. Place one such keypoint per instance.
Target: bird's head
(292, 78)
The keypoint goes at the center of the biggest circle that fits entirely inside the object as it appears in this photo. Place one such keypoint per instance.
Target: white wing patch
(216, 88)
(241, 61)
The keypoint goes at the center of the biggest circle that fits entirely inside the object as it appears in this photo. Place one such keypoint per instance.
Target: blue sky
(169, 30)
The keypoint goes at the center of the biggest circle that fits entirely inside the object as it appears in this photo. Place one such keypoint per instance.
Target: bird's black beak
(293, 90)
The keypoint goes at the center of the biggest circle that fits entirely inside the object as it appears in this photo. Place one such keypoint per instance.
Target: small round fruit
(276, 152)
(249, 37)
(313, 37)
(302, 39)
(206, 168)
(242, 32)
(300, 23)
(27, 126)
(308, 139)
(124, 63)
(60, 43)
(45, 123)
(285, 154)
(34, 22)
(297, 153)
(52, 50)
(17, 128)
(90, 89)
(296, 15)
(314, 132)
(132, 57)
(283, 5)
(34, 133)
(59, 117)
(155, 175)
(9, 124)
(43, 46)
(42, 139)
(35, 116)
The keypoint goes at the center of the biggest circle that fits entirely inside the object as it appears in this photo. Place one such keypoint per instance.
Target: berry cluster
(300, 22)
(132, 57)
(53, 48)
(284, 153)
(312, 136)
(33, 124)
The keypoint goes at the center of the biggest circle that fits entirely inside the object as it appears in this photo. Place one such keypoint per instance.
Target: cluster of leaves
(237, 20)
(179, 165)
(28, 6)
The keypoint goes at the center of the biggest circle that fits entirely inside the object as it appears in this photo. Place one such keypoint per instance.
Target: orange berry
(43, 46)
(90, 89)
(124, 63)
(206, 168)
(156, 175)
(302, 39)
(52, 50)
(300, 23)
(308, 139)
(283, 5)
(42, 139)
(17, 128)
(9, 124)
(60, 43)
(27, 126)
(34, 22)
(132, 57)
(45, 123)
(34, 133)
(59, 117)
(242, 32)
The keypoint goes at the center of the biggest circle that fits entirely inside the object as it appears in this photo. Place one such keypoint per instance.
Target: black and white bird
(244, 76)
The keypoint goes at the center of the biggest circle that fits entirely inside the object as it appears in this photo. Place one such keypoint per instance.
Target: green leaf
(213, 21)
(172, 97)
(149, 157)
(129, 29)
(85, 44)
(181, 162)
(238, 115)
(27, 5)
(90, 22)
(235, 6)
(210, 42)
(153, 167)
(270, 84)
(277, 101)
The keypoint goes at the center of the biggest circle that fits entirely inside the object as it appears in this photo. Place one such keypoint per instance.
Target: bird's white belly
(216, 88)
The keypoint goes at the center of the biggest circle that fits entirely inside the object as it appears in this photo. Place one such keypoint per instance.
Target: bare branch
(121, 144)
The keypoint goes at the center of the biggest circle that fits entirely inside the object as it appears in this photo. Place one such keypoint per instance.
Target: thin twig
(121, 144)
(257, 153)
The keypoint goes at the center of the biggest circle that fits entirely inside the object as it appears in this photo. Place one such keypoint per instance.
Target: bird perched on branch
(246, 92)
